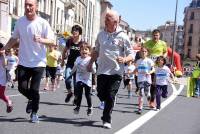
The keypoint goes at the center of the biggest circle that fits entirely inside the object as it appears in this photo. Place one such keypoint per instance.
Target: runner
(112, 49)
(12, 62)
(5, 98)
(162, 73)
(129, 77)
(83, 77)
(34, 33)
(144, 69)
(71, 52)
(51, 68)
(156, 48)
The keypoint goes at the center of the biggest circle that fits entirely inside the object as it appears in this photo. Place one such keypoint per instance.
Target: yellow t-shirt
(156, 48)
(52, 58)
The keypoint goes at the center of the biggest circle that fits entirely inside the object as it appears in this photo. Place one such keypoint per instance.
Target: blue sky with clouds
(148, 14)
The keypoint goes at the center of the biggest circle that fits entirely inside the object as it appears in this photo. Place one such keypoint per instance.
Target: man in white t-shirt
(34, 33)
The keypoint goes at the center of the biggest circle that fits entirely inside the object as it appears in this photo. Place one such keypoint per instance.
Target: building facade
(89, 21)
(192, 30)
(95, 22)
(80, 14)
(58, 13)
(62, 15)
(4, 21)
(167, 32)
(105, 6)
(179, 47)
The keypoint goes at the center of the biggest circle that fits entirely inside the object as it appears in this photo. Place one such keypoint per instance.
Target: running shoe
(34, 118)
(89, 111)
(107, 125)
(9, 108)
(139, 111)
(76, 110)
(157, 108)
(69, 95)
(101, 105)
(12, 85)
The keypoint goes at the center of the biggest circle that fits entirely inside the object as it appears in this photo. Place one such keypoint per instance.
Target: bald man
(34, 33)
(113, 50)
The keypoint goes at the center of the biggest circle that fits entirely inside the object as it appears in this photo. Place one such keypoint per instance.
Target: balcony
(69, 4)
(4, 1)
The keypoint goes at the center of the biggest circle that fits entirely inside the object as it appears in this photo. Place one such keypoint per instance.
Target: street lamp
(174, 35)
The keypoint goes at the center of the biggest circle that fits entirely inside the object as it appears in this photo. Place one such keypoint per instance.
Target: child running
(52, 61)
(83, 77)
(162, 74)
(3, 81)
(59, 69)
(144, 69)
(11, 65)
(129, 77)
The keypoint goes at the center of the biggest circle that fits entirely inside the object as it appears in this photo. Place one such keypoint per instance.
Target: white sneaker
(101, 105)
(107, 125)
(34, 118)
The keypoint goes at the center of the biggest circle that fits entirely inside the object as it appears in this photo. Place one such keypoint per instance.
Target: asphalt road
(181, 116)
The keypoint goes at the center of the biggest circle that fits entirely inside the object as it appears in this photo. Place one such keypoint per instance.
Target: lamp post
(174, 35)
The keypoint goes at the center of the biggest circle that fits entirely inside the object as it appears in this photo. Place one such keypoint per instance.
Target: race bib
(153, 58)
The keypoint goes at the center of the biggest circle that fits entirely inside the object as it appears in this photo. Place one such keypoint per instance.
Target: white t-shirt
(81, 70)
(162, 75)
(2, 73)
(127, 69)
(31, 53)
(144, 66)
(11, 62)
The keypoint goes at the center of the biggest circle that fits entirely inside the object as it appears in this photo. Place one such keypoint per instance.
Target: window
(189, 53)
(198, 3)
(192, 16)
(199, 41)
(199, 29)
(190, 41)
(80, 14)
(191, 29)
(58, 9)
(62, 21)
(199, 46)
(51, 13)
(45, 6)
(14, 7)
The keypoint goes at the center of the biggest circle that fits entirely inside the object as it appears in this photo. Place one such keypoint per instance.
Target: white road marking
(130, 128)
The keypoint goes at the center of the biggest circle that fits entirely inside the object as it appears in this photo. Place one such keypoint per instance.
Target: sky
(149, 14)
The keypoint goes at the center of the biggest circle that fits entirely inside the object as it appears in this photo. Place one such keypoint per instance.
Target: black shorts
(51, 72)
(126, 82)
